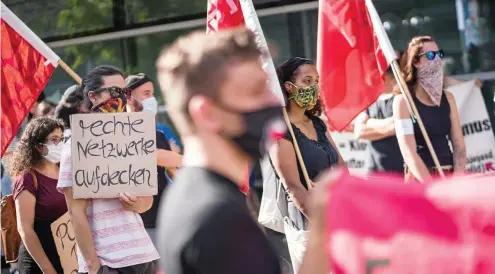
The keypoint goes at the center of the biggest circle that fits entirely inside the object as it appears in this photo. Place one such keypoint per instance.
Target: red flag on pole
(353, 53)
(381, 225)
(27, 64)
(223, 14)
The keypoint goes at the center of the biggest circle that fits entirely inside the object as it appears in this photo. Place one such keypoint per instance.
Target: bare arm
(373, 129)
(285, 163)
(341, 162)
(167, 158)
(82, 230)
(456, 136)
(407, 143)
(25, 205)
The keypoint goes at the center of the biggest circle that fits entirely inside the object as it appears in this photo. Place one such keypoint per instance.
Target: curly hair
(288, 72)
(26, 154)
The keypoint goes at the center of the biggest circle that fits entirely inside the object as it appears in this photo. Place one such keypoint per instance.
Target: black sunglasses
(116, 91)
(432, 54)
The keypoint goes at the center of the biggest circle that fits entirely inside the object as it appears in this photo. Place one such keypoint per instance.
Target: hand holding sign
(129, 201)
(113, 153)
(65, 241)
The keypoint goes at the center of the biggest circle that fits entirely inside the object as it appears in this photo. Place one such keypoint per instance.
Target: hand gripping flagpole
(387, 48)
(252, 23)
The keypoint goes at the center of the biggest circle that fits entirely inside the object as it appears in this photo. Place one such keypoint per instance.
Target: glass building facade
(131, 33)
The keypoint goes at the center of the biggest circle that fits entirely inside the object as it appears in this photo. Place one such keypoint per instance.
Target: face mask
(262, 127)
(54, 152)
(430, 77)
(115, 104)
(306, 97)
(150, 105)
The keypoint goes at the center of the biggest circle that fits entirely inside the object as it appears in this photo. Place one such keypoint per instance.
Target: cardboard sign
(476, 127)
(65, 241)
(113, 153)
(356, 153)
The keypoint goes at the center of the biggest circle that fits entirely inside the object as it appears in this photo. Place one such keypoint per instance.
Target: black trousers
(146, 268)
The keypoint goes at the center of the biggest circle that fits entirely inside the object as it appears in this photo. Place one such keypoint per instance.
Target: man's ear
(202, 112)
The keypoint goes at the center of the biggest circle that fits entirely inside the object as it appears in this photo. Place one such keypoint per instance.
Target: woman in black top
(299, 81)
(422, 67)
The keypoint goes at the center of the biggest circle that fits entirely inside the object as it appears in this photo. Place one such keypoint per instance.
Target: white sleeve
(404, 127)
(65, 172)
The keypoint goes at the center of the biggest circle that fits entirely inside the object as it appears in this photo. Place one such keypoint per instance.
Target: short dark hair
(198, 64)
(70, 104)
(94, 80)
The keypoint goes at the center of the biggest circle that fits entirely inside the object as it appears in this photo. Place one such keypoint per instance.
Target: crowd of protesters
(202, 223)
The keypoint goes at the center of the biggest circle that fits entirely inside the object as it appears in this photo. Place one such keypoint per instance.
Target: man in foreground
(220, 102)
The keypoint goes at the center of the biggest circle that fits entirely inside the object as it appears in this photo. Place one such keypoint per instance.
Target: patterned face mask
(430, 77)
(306, 97)
(116, 103)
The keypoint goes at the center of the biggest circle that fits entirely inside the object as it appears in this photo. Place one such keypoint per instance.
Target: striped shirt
(119, 236)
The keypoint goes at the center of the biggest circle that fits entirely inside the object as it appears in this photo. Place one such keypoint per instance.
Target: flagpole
(69, 71)
(406, 93)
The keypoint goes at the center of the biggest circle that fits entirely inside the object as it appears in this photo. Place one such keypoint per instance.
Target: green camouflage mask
(306, 97)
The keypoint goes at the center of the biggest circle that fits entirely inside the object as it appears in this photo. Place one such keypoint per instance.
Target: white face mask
(54, 152)
(150, 105)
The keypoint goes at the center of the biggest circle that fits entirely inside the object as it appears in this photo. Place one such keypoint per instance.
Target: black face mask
(262, 126)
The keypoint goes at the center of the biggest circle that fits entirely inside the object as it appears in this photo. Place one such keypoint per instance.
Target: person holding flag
(422, 69)
(299, 81)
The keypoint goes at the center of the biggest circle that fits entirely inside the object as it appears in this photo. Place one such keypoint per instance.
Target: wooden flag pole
(69, 71)
(406, 93)
(296, 148)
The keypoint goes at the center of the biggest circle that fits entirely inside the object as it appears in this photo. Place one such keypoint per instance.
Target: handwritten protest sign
(113, 153)
(65, 241)
(356, 153)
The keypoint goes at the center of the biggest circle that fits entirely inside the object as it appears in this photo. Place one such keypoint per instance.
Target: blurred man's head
(142, 93)
(218, 88)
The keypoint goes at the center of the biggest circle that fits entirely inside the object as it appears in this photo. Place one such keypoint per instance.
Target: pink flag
(380, 225)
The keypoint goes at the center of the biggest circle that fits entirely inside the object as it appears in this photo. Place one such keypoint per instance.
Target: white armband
(404, 127)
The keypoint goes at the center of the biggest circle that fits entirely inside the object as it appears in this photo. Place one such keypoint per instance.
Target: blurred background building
(131, 33)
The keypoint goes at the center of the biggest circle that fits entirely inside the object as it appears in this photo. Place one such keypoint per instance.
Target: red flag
(381, 225)
(27, 64)
(223, 14)
(353, 53)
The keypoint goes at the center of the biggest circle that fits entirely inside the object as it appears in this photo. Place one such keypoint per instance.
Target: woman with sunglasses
(115, 240)
(422, 68)
(34, 164)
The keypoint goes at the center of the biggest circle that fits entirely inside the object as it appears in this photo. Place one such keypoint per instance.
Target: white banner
(355, 152)
(476, 127)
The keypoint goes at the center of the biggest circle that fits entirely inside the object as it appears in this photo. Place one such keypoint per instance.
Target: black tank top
(436, 120)
(317, 156)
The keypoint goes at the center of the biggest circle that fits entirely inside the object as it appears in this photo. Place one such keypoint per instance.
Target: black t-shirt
(149, 217)
(205, 227)
(385, 153)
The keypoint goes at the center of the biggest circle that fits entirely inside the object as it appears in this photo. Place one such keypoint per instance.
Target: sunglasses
(432, 54)
(116, 91)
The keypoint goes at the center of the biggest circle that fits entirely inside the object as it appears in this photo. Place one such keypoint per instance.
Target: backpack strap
(35, 179)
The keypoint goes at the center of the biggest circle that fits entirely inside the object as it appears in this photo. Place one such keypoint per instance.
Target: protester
(422, 69)
(34, 165)
(109, 232)
(142, 92)
(46, 108)
(299, 82)
(376, 124)
(212, 231)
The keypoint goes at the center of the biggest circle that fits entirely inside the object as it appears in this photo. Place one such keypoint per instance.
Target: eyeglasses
(432, 54)
(54, 140)
(116, 91)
